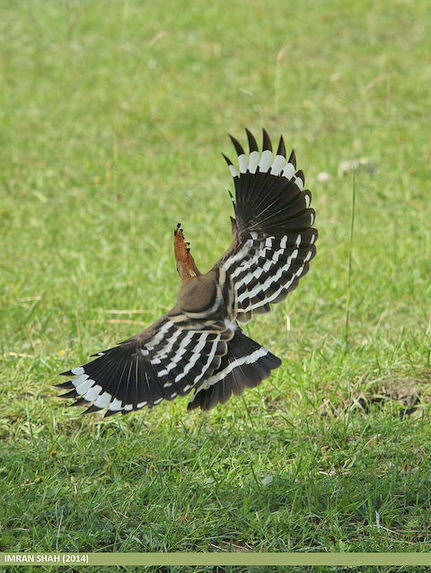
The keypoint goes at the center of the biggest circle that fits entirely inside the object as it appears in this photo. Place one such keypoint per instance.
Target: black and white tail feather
(273, 244)
(245, 365)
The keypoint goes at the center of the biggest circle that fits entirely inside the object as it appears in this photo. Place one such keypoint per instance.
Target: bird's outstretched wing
(198, 344)
(162, 362)
(273, 234)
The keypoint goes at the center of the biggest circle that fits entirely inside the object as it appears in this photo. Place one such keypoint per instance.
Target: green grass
(113, 116)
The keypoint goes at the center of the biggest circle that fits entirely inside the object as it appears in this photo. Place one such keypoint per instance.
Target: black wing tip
(67, 373)
(226, 158)
(109, 413)
(71, 394)
(252, 143)
(91, 409)
(266, 146)
(266, 141)
(80, 402)
(300, 174)
(238, 147)
(253, 146)
(66, 385)
(274, 361)
(125, 412)
(281, 147)
(292, 158)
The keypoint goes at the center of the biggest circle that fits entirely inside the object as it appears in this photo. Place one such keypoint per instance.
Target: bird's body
(199, 345)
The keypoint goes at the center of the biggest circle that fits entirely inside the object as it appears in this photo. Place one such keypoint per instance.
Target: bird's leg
(186, 265)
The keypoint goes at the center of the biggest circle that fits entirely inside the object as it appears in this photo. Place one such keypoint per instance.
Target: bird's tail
(245, 365)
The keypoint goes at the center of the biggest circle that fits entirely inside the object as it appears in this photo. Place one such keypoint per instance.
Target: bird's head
(186, 265)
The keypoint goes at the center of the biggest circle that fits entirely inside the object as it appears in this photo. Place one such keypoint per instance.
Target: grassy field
(113, 118)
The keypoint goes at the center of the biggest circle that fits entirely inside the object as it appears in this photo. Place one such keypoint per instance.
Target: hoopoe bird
(199, 345)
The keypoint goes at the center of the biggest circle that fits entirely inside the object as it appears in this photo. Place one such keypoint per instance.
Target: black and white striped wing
(146, 369)
(264, 270)
(274, 240)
